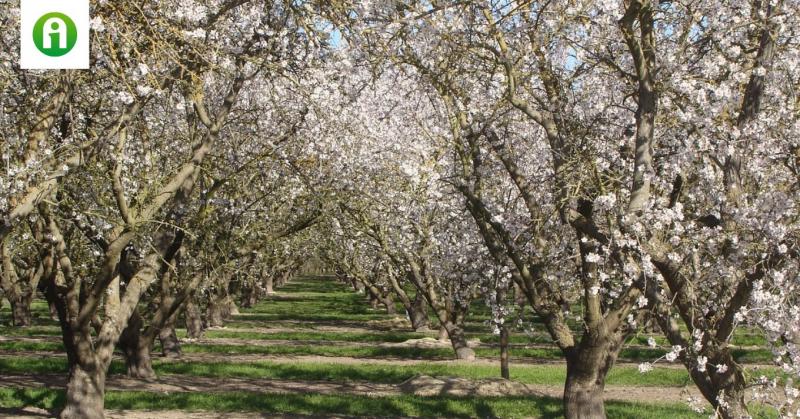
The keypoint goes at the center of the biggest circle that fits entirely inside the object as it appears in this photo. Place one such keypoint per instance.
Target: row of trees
(158, 178)
(614, 161)
(631, 159)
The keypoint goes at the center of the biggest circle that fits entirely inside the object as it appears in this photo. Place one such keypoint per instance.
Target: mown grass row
(549, 375)
(313, 301)
(318, 404)
(444, 353)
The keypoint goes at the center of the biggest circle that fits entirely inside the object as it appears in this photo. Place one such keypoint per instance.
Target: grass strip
(317, 404)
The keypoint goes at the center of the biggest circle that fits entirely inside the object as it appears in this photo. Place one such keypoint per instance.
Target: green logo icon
(55, 34)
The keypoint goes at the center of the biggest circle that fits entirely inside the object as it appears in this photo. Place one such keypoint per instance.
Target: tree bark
(442, 333)
(284, 278)
(220, 304)
(587, 367)
(270, 285)
(734, 406)
(170, 345)
(53, 311)
(388, 302)
(214, 313)
(418, 314)
(21, 309)
(193, 319)
(18, 290)
(136, 350)
(583, 394)
(85, 393)
(251, 296)
(504, 371)
(459, 341)
(232, 308)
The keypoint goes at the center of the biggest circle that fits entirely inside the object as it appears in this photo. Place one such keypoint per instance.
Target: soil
(427, 343)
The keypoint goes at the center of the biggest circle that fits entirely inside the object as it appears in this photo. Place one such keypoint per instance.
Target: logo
(55, 34)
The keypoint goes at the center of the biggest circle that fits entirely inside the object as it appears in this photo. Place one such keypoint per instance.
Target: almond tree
(119, 217)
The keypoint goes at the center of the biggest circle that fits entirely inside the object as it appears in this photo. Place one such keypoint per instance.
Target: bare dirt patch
(427, 343)
(423, 385)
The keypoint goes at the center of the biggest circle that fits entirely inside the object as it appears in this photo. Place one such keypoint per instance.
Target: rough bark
(442, 333)
(18, 288)
(193, 318)
(504, 370)
(219, 309)
(587, 367)
(418, 314)
(136, 350)
(583, 395)
(459, 341)
(270, 285)
(21, 309)
(388, 302)
(85, 393)
(53, 311)
(250, 297)
(170, 345)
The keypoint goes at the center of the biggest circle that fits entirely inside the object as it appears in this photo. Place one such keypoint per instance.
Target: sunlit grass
(341, 404)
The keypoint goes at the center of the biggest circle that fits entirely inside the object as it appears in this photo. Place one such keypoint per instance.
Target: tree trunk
(583, 396)
(53, 311)
(21, 309)
(232, 308)
(139, 362)
(418, 314)
(459, 342)
(251, 296)
(442, 333)
(270, 285)
(170, 346)
(214, 313)
(358, 286)
(136, 350)
(193, 318)
(587, 368)
(282, 279)
(733, 396)
(504, 372)
(85, 393)
(388, 302)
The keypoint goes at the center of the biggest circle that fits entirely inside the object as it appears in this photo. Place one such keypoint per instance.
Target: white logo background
(31, 57)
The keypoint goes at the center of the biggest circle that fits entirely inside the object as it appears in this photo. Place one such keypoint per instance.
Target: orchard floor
(316, 349)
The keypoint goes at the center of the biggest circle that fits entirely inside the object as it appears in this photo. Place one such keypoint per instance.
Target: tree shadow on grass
(14, 400)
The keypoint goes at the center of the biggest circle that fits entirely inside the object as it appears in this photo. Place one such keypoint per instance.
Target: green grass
(313, 336)
(32, 346)
(30, 331)
(548, 354)
(390, 374)
(317, 404)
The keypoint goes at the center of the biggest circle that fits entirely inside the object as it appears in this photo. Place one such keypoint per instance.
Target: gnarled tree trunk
(170, 345)
(270, 285)
(136, 350)
(418, 314)
(193, 318)
(588, 364)
(459, 341)
(21, 309)
(583, 393)
(85, 392)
